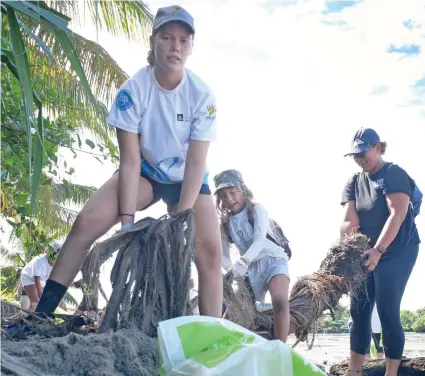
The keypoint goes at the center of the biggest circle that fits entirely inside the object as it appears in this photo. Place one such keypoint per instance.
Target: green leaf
(43, 45)
(98, 159)
(90, 143)
(20, 8)
(34, 11)
(24, 76)
(8, 151)
(22, 199)
(13, 224)
(69, 50)
(38, 157)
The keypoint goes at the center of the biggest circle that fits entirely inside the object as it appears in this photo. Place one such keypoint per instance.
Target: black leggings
(385, 285)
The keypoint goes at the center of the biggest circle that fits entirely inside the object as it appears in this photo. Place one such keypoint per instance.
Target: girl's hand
(240, 268)
(373, 256)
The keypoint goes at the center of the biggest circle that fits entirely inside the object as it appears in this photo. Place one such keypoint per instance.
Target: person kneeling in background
(35, 274)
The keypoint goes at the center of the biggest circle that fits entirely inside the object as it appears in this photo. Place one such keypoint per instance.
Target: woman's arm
(350, 223)
(129, 175)
(261, 226)
(398, 203)
(193, 174)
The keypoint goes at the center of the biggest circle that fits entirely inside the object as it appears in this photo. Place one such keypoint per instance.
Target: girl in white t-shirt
(247, 225)
(165, 120)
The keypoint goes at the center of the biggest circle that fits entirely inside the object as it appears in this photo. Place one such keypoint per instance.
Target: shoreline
(333, 348)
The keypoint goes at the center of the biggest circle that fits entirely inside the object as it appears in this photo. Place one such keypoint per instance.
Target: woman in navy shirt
(377, 203)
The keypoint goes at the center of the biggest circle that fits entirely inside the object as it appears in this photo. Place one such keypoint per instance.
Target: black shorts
(169, 193)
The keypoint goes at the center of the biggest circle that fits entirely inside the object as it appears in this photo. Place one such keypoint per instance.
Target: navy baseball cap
(173, 13)
(364, 139)
(228, 178)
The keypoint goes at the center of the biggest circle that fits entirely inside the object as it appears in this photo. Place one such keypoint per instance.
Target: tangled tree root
(150, 281)
(341, 272)
(150, 277)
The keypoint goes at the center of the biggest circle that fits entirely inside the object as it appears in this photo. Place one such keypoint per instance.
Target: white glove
(240, 268)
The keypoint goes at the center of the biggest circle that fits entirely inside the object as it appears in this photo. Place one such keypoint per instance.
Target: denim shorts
(261, 272)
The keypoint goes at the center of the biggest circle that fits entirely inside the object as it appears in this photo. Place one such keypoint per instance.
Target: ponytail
(151, 58)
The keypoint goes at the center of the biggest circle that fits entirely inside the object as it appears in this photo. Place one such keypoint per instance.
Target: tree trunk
(408, 367)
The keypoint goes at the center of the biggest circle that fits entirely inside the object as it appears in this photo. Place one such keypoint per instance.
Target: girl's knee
(280, 304)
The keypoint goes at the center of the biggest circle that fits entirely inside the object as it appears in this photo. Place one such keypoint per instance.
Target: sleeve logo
(212, 109)
(124, 100)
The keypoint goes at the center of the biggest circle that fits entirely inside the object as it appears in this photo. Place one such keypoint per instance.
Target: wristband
(126, 226)
(128, 215)
(381, 249)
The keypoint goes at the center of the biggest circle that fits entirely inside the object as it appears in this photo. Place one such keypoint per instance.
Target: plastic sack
(207, 346)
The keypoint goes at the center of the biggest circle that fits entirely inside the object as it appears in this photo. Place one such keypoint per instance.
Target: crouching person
(35, 274)
(261, 245)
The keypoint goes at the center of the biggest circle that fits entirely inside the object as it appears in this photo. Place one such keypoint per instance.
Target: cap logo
(175, 9)
(357, 142)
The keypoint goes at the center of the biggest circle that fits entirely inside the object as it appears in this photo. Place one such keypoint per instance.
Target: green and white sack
(207, 346)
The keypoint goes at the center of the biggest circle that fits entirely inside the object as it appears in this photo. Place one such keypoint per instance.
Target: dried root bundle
(340, 273)
(151, 274)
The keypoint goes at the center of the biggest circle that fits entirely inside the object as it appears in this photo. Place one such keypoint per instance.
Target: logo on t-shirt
(124, 100)
(212, 109)
(379, 183)
(181, 117)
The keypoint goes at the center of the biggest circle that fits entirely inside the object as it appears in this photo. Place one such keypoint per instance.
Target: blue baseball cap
(173, 13)
(364, 139)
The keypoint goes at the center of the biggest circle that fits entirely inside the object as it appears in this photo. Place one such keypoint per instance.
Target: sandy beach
(331, 348)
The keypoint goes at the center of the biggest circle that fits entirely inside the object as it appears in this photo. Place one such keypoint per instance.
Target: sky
(294, 80)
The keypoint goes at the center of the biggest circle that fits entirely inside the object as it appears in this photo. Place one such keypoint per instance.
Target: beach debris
(341, 272)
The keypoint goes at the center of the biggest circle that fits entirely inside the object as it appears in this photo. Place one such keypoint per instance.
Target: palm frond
(67, 193)
(104, 74)
(132, 19)
(68, 298)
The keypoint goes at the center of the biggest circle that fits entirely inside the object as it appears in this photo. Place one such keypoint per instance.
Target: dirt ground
(331, 348)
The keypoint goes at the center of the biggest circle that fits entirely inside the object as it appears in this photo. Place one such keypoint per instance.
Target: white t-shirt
(38, 267)
(165, 120)
(253, 242)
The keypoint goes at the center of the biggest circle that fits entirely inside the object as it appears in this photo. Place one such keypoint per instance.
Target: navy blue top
(369, 193)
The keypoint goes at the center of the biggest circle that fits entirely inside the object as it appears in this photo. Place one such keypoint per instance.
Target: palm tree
(73, 64)
(66, 83)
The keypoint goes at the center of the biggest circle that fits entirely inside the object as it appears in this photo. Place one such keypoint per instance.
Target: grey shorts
(261, 272)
